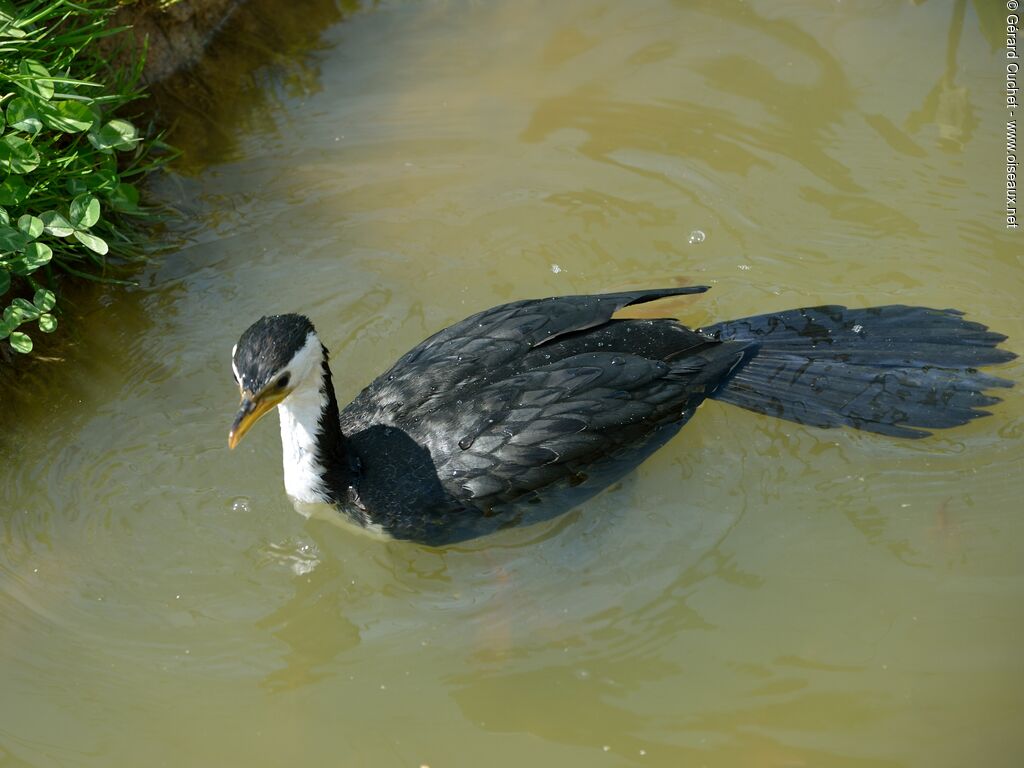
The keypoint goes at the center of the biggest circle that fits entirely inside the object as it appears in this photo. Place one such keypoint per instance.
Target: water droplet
(857, 328)
(618, 361)
(696, 237)
(240, 505)
(466, 442)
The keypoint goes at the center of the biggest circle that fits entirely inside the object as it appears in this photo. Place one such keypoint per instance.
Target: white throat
(300, 423)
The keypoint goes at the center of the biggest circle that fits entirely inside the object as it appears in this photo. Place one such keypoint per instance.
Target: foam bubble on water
(240, 505)
(697, 236)
(301, 557)
(555, 268)
(305, 559)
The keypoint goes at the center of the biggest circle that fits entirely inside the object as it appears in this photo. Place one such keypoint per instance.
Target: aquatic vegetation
(70, 161)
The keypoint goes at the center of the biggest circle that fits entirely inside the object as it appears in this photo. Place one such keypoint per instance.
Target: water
(757, 594)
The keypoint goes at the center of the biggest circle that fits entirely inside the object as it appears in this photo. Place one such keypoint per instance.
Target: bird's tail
(896, 370)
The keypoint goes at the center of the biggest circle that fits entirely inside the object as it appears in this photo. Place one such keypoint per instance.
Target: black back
(521, 398)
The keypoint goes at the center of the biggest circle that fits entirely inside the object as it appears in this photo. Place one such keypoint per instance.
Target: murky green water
(758, 594)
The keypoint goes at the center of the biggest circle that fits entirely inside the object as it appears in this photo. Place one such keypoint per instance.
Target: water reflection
(947, 105)
(261, 58)
(313, 626)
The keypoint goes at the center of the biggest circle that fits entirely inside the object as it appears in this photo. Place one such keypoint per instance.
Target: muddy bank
(174, 36)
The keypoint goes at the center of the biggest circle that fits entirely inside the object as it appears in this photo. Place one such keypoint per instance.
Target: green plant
(67, 159)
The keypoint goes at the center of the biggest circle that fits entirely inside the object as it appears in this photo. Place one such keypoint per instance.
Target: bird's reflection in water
(313, 626)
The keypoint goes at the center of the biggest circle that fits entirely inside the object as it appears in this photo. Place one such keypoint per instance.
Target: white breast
(303, 474)
(300, 419)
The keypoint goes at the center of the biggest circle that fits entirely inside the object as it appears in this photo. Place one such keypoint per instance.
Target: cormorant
(520, 411)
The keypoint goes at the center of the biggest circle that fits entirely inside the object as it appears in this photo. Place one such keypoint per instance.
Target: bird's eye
(283, 381)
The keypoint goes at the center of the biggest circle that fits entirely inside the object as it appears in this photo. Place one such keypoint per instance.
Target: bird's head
(275, 356)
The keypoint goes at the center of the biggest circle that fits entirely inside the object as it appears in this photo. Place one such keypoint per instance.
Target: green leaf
(13, 317)
(21, 342)
(5, 217)
(85, 211)
(55, 224)
(76, 185)
(90, 241)
(5, 281)
(47, 323)
(35, 80)
(11, 21)
(44, 299)
(11, 239)
(125, 197)
(36, 255)
(30, 225)
(117, 134)
(5, 329)
(17, 155)
(13, 190)
(26, 308)
(22, 115)
(67, 116)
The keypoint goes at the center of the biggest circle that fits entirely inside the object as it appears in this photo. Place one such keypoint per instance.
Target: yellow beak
(251, 410)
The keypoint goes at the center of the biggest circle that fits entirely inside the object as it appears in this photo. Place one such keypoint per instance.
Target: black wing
(480, 349)
(550, 423)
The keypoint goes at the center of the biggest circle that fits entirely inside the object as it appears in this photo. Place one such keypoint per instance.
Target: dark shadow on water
(265, 53)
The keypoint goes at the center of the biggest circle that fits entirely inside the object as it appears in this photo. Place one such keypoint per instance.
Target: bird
(524, 410)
